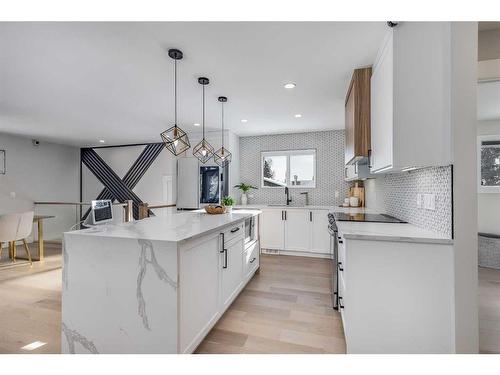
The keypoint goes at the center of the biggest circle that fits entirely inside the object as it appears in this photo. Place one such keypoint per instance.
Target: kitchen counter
(398, 232)
(171, 228)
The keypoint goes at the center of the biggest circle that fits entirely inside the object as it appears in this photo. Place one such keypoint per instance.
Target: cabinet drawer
(251, 259)
(234, 231)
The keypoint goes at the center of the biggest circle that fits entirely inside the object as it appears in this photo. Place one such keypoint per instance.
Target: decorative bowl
(215, 209)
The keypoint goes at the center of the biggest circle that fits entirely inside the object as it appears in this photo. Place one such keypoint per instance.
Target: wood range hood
(357, 118)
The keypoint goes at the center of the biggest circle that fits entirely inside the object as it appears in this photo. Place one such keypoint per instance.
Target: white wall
(48, 172)
(488, 203)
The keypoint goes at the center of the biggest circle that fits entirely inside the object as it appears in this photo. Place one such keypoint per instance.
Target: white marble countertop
(371, 231)
(171, 228)
(277, 206)
(398, 232)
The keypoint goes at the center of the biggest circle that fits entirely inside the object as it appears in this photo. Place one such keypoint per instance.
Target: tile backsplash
(396, 194)
(329, 147)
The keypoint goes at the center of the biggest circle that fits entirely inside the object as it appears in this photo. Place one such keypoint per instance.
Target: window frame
(481, 188)
(289, 153)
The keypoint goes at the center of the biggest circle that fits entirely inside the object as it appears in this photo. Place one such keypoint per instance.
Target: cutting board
(358, 191)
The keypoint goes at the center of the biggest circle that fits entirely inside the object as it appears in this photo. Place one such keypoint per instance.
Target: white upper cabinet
(410, 98)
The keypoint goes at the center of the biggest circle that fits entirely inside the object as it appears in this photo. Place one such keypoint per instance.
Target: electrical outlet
(430, 201)
(419, 200)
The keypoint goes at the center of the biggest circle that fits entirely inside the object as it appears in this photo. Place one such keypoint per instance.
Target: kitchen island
(156, 285)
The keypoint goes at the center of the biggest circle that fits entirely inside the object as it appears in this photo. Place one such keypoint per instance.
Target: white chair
(9, 224)
(16, 227)
(24, 231)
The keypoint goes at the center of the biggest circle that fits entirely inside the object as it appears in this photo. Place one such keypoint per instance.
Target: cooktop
(372, 218)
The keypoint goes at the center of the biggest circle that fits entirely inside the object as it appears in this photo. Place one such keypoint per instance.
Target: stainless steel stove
(369, 218)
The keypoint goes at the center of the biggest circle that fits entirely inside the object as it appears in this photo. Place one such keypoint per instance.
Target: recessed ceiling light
(289, 85)
(34, 345)
(244, 120)
(298, 115)
(102, 141)
(196, 124)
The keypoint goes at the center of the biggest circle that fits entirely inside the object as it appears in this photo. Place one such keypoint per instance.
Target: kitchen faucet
(288, 199)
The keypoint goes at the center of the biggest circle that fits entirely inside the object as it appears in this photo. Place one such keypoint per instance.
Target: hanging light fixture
(203, 150)
(175, 139)
(222, 156)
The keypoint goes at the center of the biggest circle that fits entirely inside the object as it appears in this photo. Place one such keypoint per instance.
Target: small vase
(244, 199)
(229, 209)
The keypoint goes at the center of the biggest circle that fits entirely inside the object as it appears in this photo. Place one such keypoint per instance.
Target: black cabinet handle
(235, 230)
(286, 214)
(223, 250)
(253, 260)
(222, 243)
(310, 216)
(282, 215)
(370, 159)
(356, 168)
(340, 241)
(340, 303)
(340, 267)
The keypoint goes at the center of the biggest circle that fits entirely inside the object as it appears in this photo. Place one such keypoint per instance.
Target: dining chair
(9, 225)
(24, 231)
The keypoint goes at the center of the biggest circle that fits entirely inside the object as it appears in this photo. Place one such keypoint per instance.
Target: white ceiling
(77, 83)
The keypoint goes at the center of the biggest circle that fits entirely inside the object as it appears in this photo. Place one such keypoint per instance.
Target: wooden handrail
(127, 207)
(144, 209)
(76, 203)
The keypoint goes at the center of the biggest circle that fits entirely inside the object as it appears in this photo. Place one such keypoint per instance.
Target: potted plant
(244, 190)
(228, 202)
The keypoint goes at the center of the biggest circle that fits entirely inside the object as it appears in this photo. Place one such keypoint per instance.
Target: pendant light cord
(203, 111)
(175, 92)
(222, 125)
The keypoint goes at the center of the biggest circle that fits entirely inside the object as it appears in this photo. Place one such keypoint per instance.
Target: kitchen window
(489, 164)
(293, 169)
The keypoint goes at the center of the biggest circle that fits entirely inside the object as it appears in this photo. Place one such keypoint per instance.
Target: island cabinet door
(231, 270)
(199, 283)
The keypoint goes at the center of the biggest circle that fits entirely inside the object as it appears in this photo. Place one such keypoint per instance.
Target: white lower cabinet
(296, 230)
(320, 238)
(232, 270)
(272, 227)
(396, 297)
(212, 272)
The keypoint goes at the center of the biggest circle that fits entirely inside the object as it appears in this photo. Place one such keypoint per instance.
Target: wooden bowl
(215, 210)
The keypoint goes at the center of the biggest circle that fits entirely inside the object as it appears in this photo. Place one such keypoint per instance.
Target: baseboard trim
(295, 253)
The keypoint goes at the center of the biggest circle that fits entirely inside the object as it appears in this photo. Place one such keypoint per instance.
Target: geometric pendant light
(203, 150)
(175, 139)
(222, 156)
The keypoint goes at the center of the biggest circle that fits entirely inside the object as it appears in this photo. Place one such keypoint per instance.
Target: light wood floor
(284, 309)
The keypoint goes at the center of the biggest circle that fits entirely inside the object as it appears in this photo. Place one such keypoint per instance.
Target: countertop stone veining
(171, 228)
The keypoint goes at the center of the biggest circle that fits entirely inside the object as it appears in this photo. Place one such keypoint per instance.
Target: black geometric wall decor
(114, 187)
